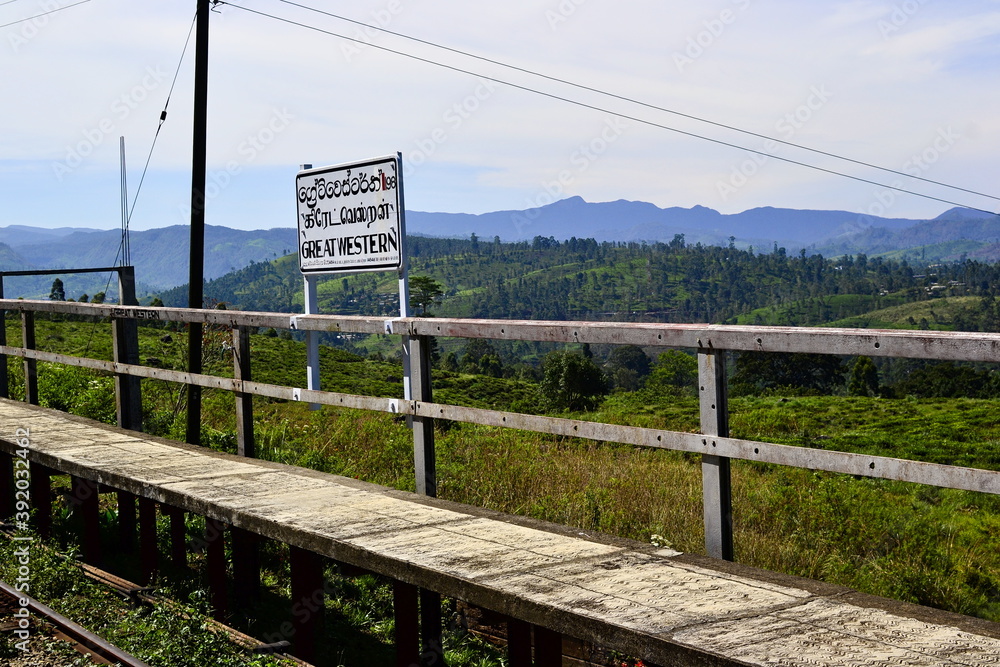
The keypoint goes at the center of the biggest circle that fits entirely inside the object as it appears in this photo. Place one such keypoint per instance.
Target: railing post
(244, 401)
(125, 332)
(717, 494)
(30, 365)
(425, 471)
(423, 427)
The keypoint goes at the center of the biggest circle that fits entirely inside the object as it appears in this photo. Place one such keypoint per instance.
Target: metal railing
(711, 341)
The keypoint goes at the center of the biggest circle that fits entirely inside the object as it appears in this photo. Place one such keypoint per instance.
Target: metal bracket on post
(311, 299)
(717, 493)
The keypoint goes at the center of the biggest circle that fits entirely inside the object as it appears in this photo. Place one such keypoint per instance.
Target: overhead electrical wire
(632, 100)
(163, 117)
(38, 16)
(594, 107)
(135, 198)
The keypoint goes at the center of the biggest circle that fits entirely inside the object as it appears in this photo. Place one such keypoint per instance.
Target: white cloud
(752, 64)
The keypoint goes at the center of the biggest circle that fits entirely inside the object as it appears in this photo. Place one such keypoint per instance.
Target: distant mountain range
(161, 255)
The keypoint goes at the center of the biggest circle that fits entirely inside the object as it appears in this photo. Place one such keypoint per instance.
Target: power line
(37, 16)
(163, 117)
(632, 100)
(604, 110)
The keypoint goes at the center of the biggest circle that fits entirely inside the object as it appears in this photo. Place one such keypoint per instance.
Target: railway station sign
(350, 217)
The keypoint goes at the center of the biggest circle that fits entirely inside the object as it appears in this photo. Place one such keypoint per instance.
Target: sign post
(350, 219)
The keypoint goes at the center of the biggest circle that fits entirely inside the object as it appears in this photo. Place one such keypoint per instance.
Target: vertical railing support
(425, 469)
(404, 610)
(30, 365)
(423, 427)
(148, 548)
(215, 537)
(125, 338)
(307, 602)
(717, 492)
(126, 521)
(41, 499)
(244, 401)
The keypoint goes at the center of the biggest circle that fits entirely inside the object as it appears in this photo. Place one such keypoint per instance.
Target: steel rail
(73, 630)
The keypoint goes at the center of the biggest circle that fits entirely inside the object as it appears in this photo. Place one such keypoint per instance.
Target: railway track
(101, 651)
(77, 636)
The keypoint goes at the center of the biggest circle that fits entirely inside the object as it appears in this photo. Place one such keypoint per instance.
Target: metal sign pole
(310, 300)
(404, 290)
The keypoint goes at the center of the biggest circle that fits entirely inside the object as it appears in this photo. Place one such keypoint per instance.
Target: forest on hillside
(581, 279)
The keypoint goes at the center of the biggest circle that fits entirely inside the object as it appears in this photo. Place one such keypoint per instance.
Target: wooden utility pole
(197, 261)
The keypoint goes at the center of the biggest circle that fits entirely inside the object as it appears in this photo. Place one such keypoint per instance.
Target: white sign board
(350, 217)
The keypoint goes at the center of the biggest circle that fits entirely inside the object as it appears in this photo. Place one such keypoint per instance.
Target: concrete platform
(665, 607)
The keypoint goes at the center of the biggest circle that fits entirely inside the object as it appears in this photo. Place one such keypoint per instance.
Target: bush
(571, 381)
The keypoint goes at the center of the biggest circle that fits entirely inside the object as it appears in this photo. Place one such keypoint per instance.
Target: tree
(424, 293)
(480, 357)
(627, 367)
(864, 378)
(674, 371)
(98, 298)
(58, 293)
(777, 370)
(570, 381)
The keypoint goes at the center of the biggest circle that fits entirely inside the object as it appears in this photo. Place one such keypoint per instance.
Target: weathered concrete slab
(652, 603)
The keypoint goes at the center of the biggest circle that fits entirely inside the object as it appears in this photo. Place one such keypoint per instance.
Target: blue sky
(907, 84)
